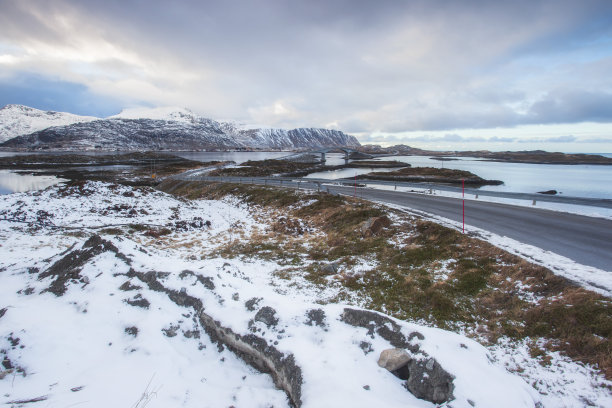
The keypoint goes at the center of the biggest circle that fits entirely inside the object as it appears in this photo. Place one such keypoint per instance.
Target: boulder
(251, 304)
(429, 381)
(374, 225)
(315, 317)
(392, 359)
(424, 377)
(267, 316)
(330, 268)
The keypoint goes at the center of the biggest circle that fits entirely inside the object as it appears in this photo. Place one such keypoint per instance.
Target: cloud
(361, 66)
(447, 138)
(598, 140)
(568, 106)
(554, 139)
(41, 93)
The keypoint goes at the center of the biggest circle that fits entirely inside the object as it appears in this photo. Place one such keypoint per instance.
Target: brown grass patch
(488, 292)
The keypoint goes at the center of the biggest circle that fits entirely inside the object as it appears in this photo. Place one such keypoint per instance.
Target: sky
(434, 74)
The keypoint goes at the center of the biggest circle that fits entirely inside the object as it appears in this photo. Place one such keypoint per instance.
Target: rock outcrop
(425, 378)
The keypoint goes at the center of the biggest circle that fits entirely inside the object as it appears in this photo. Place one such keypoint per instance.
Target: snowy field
(103, 292)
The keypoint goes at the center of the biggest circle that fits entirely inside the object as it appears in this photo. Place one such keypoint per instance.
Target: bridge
(324, 150)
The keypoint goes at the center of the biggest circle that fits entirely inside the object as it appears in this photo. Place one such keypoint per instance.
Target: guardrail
(323, 184)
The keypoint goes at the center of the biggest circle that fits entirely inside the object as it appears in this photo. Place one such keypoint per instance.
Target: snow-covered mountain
(163, 113)
(169, 129)
(17, 120)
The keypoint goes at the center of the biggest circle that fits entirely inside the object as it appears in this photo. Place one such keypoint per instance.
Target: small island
(291, 168)
(526, 156)
(431, 175)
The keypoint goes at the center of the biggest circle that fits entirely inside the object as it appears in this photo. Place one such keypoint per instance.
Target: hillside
(17, 120)
(158, 129)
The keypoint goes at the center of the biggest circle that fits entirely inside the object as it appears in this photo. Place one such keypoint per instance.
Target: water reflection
(238, 157)
(16, 183)
(570, 180)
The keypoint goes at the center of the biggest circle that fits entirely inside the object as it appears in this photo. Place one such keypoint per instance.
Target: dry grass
(487, 292)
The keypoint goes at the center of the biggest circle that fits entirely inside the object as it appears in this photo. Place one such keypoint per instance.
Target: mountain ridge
(17, 120)
(164, 129)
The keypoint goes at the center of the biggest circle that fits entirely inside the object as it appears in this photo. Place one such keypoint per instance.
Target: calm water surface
(570, 180)
(12, 182)
(16, 183)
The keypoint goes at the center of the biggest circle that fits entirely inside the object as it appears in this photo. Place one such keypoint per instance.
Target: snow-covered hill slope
(162, 113)
(97, 305)
(168, 129)
(17, 120)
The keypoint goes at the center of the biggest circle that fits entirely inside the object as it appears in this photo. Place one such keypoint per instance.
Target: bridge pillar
(322, 157)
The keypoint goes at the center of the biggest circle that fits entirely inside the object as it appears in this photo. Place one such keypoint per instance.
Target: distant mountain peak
(165, 128)
(169, 113)
(17, 120)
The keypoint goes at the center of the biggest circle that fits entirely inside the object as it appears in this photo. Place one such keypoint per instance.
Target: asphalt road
(586, 240)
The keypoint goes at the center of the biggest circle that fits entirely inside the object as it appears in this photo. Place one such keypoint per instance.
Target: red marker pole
(463, 202)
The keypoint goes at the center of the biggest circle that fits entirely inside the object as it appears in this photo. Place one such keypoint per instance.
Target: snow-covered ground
(90, 314)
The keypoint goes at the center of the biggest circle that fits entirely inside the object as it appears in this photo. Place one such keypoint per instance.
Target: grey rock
(127, 286)
(366, 347)
(68, 269)
(170, 331)
(430, 364)
(251, 304)
(392, 359)
(236, 297)
(381, 325)
(435, 384)
(330, 268)
(138, 301)
(204, 280)
(316, 317)
(425, 378)
(132, 331)
(267, 316)
(374, 225)
(256, 352)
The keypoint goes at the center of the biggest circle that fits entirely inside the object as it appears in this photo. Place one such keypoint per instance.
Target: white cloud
(392, 67)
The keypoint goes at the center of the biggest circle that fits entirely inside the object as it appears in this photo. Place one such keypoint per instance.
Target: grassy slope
(422, 271)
